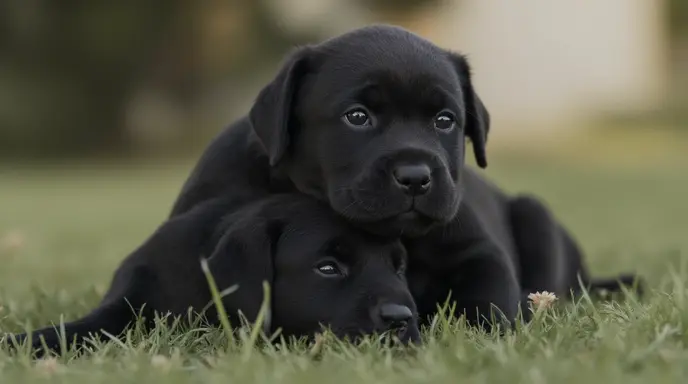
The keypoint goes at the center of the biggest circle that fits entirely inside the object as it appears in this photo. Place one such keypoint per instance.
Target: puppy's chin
(382, 210)
(410, 224)
(391, 217)
(408, 336)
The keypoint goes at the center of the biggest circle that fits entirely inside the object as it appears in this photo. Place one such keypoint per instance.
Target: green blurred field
(63, 230)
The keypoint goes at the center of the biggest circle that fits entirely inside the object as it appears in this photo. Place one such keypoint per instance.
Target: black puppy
(321, 272)
(374, 122)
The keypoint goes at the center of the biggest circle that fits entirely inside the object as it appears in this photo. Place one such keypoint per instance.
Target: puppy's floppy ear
(477, 117)
(271, 114)
(244, 258)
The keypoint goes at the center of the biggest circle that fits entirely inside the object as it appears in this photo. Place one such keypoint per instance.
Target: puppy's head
(322, 272)
(375, 122)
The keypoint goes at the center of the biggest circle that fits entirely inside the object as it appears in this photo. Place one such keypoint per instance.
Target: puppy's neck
(299, 179)
(280, 181)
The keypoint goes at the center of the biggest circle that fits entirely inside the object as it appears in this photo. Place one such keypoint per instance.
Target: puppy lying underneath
(321, 272)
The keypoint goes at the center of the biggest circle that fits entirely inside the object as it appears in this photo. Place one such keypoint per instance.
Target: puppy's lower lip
(409, 215)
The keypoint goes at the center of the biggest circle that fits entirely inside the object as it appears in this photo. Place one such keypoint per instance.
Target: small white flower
(542, 299)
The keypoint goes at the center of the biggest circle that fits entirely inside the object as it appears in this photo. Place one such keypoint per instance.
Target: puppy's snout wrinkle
(413, 179)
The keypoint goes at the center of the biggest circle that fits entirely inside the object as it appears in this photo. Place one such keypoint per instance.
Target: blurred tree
(678, 17)
(398, 6)
(261, 42)
(68, 70)
(678, 29)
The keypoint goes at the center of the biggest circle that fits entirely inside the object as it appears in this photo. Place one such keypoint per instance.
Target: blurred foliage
(677, 109)
(68, 67)
(68, 70)
(398, 5)
(678, 17)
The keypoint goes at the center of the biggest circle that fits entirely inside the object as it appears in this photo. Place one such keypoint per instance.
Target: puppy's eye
(357, 117)
(399, 266)
(444, 121)
(329, 269)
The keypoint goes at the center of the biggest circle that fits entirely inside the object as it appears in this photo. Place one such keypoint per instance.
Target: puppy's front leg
(111, 318)
(116, 311)
(461, 260)
(481, 285)
(484, 288)
(547, 264)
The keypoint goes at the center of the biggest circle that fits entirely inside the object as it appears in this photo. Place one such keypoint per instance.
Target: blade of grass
(258, 325)
(217, 298)
(63, 336)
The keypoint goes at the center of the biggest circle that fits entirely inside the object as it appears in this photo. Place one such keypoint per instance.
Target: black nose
(395, 315)
(413, 179)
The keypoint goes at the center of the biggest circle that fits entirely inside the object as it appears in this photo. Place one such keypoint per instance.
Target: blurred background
(154, 77)
(105, 107)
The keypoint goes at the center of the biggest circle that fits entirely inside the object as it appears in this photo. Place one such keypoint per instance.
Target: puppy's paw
(607, 287)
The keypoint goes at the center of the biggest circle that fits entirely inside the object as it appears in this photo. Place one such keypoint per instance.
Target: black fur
(493, 250)
(284, 240)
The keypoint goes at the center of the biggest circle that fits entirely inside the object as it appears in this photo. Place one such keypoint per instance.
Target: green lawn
(63, 230)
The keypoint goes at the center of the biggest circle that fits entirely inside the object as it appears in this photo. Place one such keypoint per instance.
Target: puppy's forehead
(317, 225)
(386, 55)
(315, 228)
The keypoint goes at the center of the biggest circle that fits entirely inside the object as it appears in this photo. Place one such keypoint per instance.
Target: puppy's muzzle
(413, 179)
(398, 321)
(395, 315)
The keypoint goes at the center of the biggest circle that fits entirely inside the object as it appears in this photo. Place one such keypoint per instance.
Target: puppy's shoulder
(477, 183)
(235, 141)
(233, 164)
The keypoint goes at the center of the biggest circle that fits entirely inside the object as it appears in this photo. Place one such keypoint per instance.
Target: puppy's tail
(603, 286)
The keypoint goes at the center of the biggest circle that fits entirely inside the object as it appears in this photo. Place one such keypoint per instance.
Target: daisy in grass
(542, 300)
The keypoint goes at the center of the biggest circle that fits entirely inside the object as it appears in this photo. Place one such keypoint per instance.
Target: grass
(64, 229)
